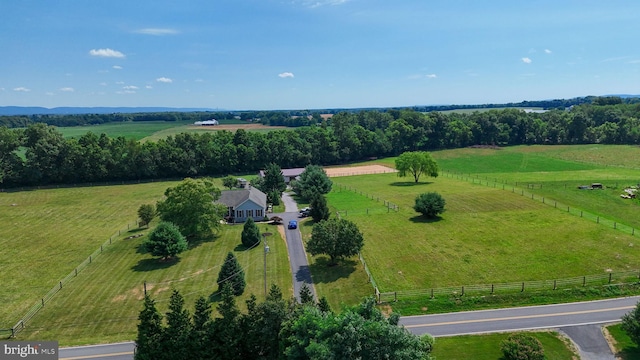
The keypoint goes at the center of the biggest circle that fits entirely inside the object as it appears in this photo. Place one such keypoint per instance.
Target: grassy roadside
(487, 347)
(625, 349)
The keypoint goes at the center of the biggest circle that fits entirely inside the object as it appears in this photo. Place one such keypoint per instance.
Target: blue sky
(310, 54)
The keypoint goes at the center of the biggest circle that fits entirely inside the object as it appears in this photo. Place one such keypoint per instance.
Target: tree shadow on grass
(324, 272)
(154, 264)
(215, 296)
(196, 241)
(410, 183)
(421, 219)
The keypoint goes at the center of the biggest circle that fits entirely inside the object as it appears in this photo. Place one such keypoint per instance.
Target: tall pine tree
(228, 334)
(231, 273)
(150, 330)
(177, 334)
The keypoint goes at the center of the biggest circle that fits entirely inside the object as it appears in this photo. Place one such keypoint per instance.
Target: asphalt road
(580, 321)
(297, 255)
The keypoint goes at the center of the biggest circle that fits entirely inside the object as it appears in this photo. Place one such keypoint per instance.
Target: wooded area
(39, 155)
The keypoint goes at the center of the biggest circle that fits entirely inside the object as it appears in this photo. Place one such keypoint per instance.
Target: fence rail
(21, 324)
(617, 278)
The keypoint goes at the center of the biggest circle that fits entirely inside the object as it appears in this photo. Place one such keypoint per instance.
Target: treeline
(39, 155)
(291, 118)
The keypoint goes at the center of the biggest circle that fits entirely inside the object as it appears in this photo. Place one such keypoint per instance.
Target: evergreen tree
(231, 273)
(150, 330)
(177, 334)
(228, 335)
(165, 241)
(306, 296)
(631, 324)
(319, 208)
(250, 234)
(201, 330)
(323, 305)
(313, 180)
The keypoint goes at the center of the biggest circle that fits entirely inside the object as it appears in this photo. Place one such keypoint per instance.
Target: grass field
(154, 130)
(103, 303)
(45, 234)
(487, 347)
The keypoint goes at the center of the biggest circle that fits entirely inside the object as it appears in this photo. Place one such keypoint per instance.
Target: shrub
(429, 204)
(522, 347)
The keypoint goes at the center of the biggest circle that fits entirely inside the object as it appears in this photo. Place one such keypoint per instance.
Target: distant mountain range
(36, 110)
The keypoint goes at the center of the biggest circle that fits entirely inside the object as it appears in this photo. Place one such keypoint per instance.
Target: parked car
(304, 214)
(293, 224)
(307, 209)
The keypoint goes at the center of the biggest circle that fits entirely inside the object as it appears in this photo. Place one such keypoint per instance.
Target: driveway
(297, 255)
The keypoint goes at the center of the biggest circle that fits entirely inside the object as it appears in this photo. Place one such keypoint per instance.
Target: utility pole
(266, 250)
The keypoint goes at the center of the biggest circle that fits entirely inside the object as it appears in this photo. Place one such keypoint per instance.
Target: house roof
(235, 198)
(288, 172)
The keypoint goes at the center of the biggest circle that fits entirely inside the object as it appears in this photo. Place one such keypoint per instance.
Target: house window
(239, 213)
(259, 213)
(249, 213)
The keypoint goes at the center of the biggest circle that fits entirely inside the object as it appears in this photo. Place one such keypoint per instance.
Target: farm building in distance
(211, 122)
(288, 174)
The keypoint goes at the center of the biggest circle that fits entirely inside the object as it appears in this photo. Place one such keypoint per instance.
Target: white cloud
(199, 80)
(67, 89)
(164, 80)
(21, 89)
(49, 93)
(319, 3)
(126, 92)
(431, 76)
(148, 87)
(547, 51)
(526, 60)
(130, 87)
(117, 67)
(157, 31)
(421, 76)
(286, 75)
(119, 82)
(106, 53)
(103, 83)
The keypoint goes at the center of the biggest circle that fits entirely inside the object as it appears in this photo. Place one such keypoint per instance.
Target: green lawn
(487, 347)
(625, 348)
(103, 303)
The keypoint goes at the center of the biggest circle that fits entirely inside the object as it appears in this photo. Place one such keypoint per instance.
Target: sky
(314, 54)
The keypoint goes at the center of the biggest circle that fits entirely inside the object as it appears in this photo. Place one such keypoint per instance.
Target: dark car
(293, 224)
(304, 214)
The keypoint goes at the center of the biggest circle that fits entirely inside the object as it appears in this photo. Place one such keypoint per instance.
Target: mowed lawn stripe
(103, 303)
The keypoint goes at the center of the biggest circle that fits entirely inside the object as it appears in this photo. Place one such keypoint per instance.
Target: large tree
(190, 205)
(336, 238)
(229, 182)
(165, 241)
(313, 181)
(250, 234)
(231, 273)
(360, 332)
(416, 163)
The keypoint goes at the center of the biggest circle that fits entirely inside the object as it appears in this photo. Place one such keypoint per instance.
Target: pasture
(46, 234)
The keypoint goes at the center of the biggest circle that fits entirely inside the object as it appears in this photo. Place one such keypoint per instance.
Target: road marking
(97, 356)
(519, 317)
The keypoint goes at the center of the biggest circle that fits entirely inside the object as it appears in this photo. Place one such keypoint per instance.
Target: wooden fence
(22, 323)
